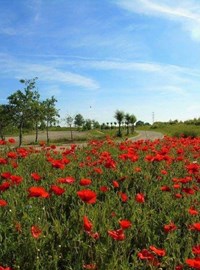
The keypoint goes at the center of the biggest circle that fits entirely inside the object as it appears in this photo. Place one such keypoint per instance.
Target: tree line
(25, 109)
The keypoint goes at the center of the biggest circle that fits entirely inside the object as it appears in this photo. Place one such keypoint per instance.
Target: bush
(185, 134)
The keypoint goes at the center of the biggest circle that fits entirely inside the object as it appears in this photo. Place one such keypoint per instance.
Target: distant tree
(21, 105)
(87, 124)
(79, 120)
(119, 116)
(95, 124)
(132, 121)
(69, 120)
(127, 118)
(139, 123)
(50, 113)
(5, 119)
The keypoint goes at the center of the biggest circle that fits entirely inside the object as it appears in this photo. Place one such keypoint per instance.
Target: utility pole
(153, 115)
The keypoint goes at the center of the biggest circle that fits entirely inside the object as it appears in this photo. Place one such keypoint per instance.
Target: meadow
(109, 205)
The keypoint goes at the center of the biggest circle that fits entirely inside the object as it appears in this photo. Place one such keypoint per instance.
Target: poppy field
(109, 205)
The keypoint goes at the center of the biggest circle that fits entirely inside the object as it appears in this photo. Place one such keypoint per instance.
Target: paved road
(147, 135)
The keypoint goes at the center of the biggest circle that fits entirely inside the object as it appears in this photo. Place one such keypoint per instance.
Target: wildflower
(87, 196)
(38, 192)
(85, 182)
(36, 176)
(194, 263)
(87, 224)
(159, 252)
(36, 231)
(170, 227)
(3, 203)
(140, 198)
(117, 234)
(125, 224)
(57, 190)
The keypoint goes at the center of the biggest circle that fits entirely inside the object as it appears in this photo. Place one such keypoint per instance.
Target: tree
(49, 113)
(69, 120)
(127, 118)
(21, 105)
(95, 124)
(79, 120)
(132, 121)
(119, 116)
(5, 119)
(87, 124)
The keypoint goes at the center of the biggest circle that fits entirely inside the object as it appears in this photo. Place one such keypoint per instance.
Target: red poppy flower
(16, 179)
(57, 190)
(194, 263)
(66, 180)
(140, 198)
(12, 155)
(3, 160)
(38, 192)
(125, 224)
(3, 203)
(87, 196)
(170, 227)
(159, 252)
(36, 176)
(179, 267)
(98, 170)
(117, 234)
(87, 224)
(91, 266)
(11, 140)
(104, 188)
(4, 186)
(195, 226)
(145, 254)
(193, 211)
(85, 182)
(165, 188)
(36, 231)
(5, 268)
(196, 250)
(115, 184)
(123, 196)
(6, 175)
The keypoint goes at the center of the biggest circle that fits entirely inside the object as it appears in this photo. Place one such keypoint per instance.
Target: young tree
(49, 113)
(119, 116)
(127, 118)
(133, 119)
(69, 120)
(21, 105)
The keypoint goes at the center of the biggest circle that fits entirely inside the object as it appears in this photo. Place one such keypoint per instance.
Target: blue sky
(139, 56)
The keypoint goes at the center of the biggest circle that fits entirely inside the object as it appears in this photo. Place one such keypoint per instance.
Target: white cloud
(185, 12)
(45, 72)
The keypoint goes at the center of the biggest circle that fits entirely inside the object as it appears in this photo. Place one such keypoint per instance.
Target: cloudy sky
(140, 56)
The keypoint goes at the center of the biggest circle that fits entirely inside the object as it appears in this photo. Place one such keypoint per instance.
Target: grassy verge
(176, 130)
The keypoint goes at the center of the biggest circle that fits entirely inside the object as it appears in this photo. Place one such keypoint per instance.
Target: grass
(173, 130)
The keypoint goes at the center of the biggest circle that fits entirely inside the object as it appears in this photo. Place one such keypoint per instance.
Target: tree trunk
(36, 132)
(20, 134)
(47, 129)
(1, 133)
(119, 132)
(71, 133)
